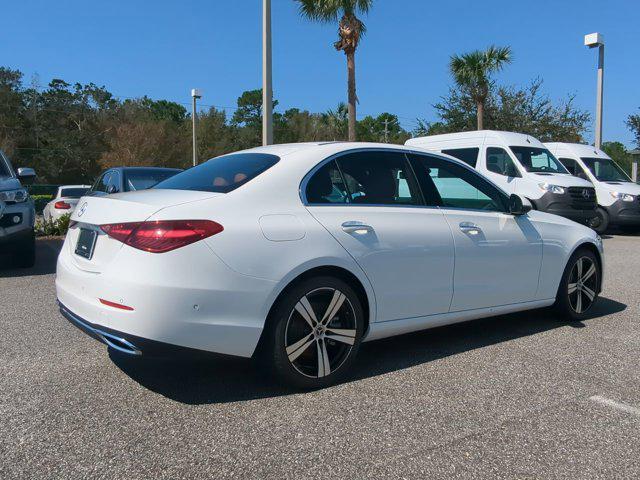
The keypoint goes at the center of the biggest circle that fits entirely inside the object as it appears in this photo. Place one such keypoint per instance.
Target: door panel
(406, 252)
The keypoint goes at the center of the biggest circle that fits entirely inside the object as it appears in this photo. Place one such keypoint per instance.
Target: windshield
(5, 168)
(144, 179)
(221, 174)
(606, 170)
(75, 192)
(538, 160)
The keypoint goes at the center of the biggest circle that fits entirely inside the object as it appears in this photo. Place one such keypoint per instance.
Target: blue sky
(163, 48)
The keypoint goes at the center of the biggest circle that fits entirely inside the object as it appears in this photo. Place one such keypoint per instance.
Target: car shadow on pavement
(47, 250)
(211, 379)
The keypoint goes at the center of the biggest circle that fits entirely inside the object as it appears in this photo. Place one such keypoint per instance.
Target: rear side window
(467, 155)
(221, 174)
(144, 179)
(379, 178)
(327, 186)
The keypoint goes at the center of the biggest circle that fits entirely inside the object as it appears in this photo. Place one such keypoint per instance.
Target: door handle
(470, 228)
(356, 227)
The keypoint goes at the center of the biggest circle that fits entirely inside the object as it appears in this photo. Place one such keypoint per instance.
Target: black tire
(600, 223)
(26, 252)
(573, 301)
(295, 352)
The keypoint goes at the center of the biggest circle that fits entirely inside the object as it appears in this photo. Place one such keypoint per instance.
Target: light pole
(635, 156)
(594, 40)
(267, 94)
(195, 94)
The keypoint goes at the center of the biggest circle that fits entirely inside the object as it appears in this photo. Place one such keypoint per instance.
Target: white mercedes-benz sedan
(295, 254)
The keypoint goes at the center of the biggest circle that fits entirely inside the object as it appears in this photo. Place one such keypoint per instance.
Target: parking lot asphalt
(516, 396)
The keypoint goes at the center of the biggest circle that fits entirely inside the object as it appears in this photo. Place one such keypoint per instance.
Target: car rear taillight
(61, 205)
(161, 235)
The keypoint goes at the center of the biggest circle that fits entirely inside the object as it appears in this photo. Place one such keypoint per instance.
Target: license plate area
(86, 243)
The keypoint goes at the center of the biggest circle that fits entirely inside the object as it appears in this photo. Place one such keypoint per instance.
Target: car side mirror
(26, 175)
(519, 205)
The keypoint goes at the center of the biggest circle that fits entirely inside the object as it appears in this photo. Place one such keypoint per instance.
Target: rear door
(371, 204)
(497, 255)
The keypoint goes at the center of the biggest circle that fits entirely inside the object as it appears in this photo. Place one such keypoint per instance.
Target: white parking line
(623, 407)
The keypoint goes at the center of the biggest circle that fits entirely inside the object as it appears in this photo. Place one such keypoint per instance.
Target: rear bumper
(624, 213)
(186, 299)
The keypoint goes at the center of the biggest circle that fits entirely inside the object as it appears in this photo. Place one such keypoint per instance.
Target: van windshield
(538, 160)
(606, 170)
(5, 169)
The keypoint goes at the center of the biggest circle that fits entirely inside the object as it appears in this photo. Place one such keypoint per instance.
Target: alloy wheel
(583, 284)
(320, 332)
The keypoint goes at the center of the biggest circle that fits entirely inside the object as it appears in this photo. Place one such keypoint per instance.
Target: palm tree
(473, 70)
(350, 30)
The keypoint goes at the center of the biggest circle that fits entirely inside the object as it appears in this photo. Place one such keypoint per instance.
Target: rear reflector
(61, 205)
(115, 305)
(162, 235)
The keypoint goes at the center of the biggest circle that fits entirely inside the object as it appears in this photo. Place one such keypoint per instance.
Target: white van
(618, 196)
(520, 164)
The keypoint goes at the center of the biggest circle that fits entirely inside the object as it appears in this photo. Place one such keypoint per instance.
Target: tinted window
(446, 184)
(101, 183)
(221, 174)
(144, 179)
(73, 192)
(538, 160)
(379, 178)
(5, 170)
(327, 186)
(113, 183)
(499, 161)
(467, 155)
(606, 170)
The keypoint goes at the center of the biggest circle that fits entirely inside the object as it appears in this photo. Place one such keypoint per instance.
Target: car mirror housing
(519, 205)
(26, 175)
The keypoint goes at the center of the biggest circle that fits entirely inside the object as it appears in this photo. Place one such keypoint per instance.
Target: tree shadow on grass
(211, 379)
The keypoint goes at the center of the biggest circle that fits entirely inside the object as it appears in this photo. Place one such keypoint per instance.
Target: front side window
(221, 174)
(499, 161)
(448, 185)
(467, 155)
(538, 160)
(140, 179)
(379, 178)
(326, 186)
(606, 170)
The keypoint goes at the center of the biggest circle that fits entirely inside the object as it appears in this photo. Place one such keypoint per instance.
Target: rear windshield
(538, 160)
(144, 179)
(222, 174)
(73, 192)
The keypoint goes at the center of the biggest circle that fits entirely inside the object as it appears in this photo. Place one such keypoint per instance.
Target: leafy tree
(248, 115)
(383, 128)
(633, 122)
(525, 110)
(14, 121)
(473, 72)
(350, 31)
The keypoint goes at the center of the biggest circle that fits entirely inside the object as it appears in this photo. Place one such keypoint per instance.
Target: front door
(370, 202)
(497, 255)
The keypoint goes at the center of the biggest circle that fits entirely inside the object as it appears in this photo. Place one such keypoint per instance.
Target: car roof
(506, 138)
(133, 169)
(74, 186)
(577, 149)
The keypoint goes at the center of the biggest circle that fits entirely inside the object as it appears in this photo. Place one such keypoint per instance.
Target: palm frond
(331, 10)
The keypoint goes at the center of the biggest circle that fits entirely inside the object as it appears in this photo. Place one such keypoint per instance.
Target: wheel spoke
(342, 339)
(345, 332)
(335, 304)
(590, 272)
(298, 348)
(579, 302)
(579, 266)
(324, 367)
(588, 292)
(304, 308)
(572, 287)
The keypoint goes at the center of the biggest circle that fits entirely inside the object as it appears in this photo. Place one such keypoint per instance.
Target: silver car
(17, 213)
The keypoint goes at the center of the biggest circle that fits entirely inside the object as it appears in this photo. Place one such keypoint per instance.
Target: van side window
(467, 155)
(499, 161)
(573, 167)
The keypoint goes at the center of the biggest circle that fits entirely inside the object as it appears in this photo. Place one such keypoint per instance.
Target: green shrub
(56, 228)
(40, 201)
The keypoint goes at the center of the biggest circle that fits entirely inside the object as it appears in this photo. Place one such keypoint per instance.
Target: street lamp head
(593, 40)
(196, 93)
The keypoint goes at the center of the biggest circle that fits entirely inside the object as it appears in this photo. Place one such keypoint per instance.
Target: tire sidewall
(276, 331)
(562, 298)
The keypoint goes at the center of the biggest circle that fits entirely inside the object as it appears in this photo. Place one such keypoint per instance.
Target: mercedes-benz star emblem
(83, 209)
(585, 193)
